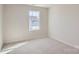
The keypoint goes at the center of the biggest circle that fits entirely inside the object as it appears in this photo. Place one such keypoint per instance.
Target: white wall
(64, 24)
(16, 23)
(1, 15)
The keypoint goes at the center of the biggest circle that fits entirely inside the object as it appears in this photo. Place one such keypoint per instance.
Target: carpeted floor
(44, 46)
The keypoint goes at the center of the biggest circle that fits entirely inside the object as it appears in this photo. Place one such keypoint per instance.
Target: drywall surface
(1, 16)
(16, 23)
(64, 24)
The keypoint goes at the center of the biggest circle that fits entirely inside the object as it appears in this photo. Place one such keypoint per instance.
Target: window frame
(30, 20)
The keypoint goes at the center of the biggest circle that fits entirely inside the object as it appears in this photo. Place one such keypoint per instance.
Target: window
(34, 20)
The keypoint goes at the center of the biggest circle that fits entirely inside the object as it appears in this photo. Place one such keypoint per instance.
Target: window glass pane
(34, 23)
(34, 13)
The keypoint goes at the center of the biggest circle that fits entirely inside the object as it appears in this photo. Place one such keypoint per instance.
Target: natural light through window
(34, 20)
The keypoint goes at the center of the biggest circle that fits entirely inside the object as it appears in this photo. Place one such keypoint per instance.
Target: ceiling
(43, 5)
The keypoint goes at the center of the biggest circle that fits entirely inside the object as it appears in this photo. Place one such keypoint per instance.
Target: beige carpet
(44, 46)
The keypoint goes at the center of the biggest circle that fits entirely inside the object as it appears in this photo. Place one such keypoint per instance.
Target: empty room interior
(39, 29)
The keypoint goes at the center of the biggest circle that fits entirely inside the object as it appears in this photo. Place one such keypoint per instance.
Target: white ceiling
(43, 5)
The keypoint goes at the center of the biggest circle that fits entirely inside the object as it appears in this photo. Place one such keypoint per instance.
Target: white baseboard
(5, 51)
(77, 47)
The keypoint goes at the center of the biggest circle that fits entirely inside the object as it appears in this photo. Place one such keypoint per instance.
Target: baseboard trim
(77, 47)
(5, 51)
